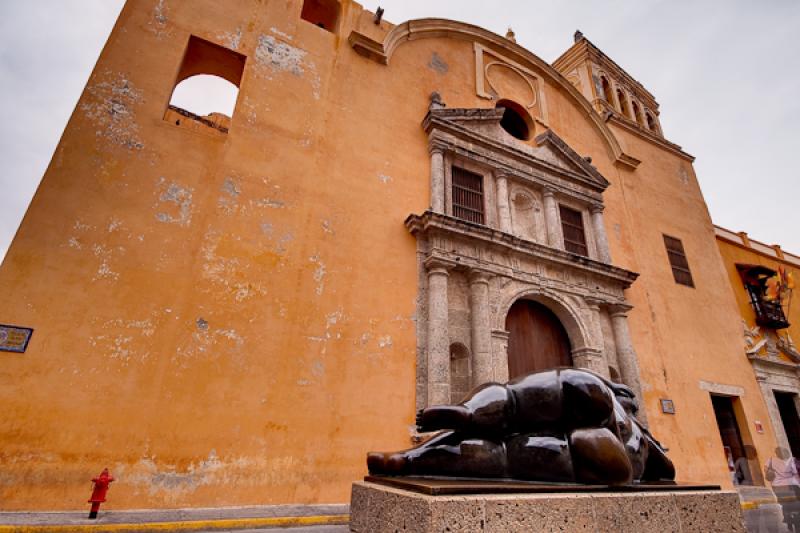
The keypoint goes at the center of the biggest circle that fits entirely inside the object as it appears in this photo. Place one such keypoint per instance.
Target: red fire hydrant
(99, 491)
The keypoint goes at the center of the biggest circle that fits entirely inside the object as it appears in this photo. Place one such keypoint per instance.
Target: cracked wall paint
(180, 196)
(159, 20)
(104, 271)
(331, 331)
(210, 342)
(319, 274)
(231, 39)
(122, 339)
(86, 236)
(385, 341)
(170, 482)
(228, 200)
(111, 111)
(282, 57)
(226, 272)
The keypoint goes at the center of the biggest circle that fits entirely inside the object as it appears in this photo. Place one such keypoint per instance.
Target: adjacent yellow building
(762, 278)
(234, 310)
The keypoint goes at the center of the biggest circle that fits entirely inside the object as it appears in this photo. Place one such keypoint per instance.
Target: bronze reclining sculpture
(560, 425)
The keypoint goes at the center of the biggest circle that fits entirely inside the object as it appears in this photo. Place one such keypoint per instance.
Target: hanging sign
(14, 338)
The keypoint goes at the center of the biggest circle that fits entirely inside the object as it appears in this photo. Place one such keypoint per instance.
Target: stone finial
(436, 101)
(578, 35)
(510, 35)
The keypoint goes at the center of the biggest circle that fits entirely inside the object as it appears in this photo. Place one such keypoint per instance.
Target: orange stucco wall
(229, 319)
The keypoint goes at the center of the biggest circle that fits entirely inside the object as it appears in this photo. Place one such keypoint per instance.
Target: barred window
(467, 195)
(678, 262)
(574, 234)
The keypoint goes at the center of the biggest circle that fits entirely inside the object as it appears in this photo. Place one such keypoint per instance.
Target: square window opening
(321, 13)
(467, 192)
(678, 261)
(573, 230)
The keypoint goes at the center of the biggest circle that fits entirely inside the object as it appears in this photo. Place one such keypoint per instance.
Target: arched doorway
(537, 339)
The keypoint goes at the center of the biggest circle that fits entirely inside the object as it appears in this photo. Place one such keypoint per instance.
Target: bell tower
(611, 90)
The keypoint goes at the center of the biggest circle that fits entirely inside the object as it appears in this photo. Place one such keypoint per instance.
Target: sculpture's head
(625, 397)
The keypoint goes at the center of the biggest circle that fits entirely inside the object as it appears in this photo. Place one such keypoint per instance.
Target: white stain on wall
(178, 195)
(110, 107)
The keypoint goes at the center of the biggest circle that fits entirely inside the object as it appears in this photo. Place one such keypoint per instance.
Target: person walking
(782, 472)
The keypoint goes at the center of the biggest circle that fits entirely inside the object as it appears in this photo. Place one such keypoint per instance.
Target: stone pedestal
(378, 508)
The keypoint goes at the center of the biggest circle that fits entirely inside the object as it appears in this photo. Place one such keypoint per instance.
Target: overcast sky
(724, 72)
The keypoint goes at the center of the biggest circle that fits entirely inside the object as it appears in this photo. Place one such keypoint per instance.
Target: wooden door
(537, 339)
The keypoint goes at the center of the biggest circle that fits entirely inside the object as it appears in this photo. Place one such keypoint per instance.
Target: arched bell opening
(516, 120)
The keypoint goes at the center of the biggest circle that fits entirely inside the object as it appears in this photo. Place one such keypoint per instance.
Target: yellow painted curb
(755, 504)
(195, 525)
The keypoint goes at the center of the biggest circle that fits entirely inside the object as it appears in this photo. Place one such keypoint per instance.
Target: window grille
(574, 234)
(467, 195)
(678, 262)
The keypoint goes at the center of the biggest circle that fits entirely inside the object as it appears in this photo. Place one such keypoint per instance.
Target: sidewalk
(196, 519)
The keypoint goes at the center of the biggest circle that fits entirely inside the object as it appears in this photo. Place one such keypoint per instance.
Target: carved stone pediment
(477, 133)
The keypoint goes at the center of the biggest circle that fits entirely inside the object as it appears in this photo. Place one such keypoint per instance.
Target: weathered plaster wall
(229, 319)
(684, 336)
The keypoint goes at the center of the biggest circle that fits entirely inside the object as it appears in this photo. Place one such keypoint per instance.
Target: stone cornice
(659, 141)
(437, 123)
(771, 364)
(442, 28)
(430, 222)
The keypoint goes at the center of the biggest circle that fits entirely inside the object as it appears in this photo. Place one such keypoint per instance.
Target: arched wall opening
(203, 95)
(207, 86)
(623, 103)
(607, 94)
(537, 339)
(651, 123)
(637, 115)
(516, 120)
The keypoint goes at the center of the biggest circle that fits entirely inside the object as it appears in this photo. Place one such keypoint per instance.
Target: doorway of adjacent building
(728, 427)
(790, 419)
(537, 339)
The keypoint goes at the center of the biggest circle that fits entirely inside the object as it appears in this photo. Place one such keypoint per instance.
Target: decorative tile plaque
(14, 338)
(667, 406)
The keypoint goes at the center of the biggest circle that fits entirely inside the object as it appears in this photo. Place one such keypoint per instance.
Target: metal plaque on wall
(14, 339)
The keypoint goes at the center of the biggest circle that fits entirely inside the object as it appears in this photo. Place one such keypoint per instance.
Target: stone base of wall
(378, 508)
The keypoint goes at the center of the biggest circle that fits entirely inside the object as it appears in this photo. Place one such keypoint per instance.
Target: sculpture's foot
(387, 463)
(454, 417)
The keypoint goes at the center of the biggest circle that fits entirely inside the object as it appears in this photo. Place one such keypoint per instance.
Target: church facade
(234, 310)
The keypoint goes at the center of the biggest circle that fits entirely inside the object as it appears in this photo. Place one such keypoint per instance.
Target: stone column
(626, 355)
(437, 179)
(552, 220)
(482, 367)
(503, 208)
(438, 335)
(590, 359)
(600, 237)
